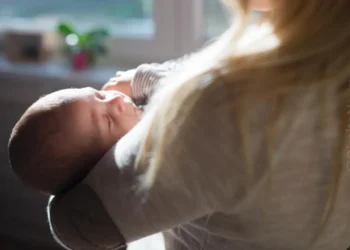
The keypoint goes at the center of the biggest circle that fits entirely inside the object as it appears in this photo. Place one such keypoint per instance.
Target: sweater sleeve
(199, 174)
(148, 76)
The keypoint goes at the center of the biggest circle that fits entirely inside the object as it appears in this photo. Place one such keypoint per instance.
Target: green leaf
(83, 41)
(96, 35)
(65, 29)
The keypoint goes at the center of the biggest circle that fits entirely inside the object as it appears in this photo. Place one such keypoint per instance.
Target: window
(216, 18)
(143, 30)
(116, 15)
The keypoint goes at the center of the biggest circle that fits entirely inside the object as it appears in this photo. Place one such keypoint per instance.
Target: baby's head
(63, 135)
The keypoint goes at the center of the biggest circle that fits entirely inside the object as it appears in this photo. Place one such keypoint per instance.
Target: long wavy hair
(312, 49)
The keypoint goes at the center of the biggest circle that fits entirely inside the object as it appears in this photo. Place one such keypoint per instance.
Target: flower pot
(80, 60)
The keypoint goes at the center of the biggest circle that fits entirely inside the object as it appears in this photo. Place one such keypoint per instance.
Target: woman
(249, 149)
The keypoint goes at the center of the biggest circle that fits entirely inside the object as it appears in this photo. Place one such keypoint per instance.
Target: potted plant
(83, 49)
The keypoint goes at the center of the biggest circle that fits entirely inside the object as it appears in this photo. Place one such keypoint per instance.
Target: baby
(61, 137)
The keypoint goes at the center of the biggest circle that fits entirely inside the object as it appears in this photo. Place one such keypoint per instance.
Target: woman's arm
(200, 172)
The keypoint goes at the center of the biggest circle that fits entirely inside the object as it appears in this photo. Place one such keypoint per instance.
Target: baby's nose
(115, 104)
(110, 95)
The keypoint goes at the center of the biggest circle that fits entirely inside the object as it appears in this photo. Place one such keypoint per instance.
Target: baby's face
(97, 117)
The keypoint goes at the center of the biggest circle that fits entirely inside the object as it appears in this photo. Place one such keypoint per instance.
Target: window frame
(178, 30)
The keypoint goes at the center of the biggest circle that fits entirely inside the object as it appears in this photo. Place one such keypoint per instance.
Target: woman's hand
(121, 82)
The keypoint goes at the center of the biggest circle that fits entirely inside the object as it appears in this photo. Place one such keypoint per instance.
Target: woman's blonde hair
(313, 51)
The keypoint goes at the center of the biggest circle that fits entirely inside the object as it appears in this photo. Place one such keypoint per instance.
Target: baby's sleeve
(200, 172)
(147, 77)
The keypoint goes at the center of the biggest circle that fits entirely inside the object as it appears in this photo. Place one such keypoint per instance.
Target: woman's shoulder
(201, 91)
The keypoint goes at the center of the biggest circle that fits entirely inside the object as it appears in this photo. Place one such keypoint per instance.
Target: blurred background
(141, 30)
(36, 59)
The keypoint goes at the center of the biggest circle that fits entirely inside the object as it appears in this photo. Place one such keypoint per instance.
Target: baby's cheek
(114, 136)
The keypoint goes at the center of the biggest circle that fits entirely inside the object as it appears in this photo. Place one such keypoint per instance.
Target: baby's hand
(121, 82)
